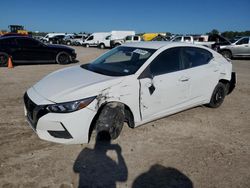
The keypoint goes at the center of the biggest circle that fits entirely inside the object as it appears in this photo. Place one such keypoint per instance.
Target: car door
(163, 85)
(203, 72)
(242, 47)
(9, 46)
(33, 50)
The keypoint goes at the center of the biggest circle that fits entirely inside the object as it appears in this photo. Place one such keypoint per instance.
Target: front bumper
(67, 128)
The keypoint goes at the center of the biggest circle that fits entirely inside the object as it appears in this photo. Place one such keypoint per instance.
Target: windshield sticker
(141, 52)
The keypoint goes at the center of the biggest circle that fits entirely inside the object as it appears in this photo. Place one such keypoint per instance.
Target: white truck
(193, 40)
(114, 35)
(95, 38)
(129, 38)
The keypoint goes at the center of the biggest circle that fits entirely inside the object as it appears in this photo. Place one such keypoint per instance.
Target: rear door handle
(184, 79)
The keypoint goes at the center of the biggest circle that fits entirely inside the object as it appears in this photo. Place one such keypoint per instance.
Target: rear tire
(4, 59)
(218, 95)
(111, 120)
(226, 54)
(63, 58)
(87, 45)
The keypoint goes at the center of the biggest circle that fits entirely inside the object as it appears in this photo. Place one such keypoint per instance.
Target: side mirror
(149, 82)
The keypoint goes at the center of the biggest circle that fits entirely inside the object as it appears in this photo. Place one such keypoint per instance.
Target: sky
(176, 16)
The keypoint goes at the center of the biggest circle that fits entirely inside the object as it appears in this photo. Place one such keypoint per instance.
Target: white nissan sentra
(134, 83)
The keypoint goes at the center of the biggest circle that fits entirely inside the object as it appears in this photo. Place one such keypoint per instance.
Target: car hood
(73, 83)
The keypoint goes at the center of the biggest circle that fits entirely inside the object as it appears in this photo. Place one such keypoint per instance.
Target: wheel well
(226, 83)
(223, 50)
(129, 118)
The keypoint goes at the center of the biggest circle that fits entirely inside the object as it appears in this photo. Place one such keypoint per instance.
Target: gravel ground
(200, 147)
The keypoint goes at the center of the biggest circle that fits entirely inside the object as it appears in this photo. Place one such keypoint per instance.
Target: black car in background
(28, 50)
(58, 39)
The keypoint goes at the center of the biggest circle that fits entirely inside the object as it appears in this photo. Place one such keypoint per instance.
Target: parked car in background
(191, 39)
(58, 39)
(219, 40)
(38, 37)
(134, 83)
(29, 50)
(75, 40)
(129, 38)
(95, 38)
(49, 35)
(133, 38)
(108, 41)
(240, 48)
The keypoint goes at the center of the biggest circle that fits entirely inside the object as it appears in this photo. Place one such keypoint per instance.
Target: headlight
(70, 106)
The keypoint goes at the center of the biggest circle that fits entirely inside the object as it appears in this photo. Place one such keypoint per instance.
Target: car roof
(157, 44)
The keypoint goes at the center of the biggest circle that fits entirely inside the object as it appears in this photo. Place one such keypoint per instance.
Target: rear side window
(177, 39)
(187, 39)
(136, 38)
(166, 62)
(193, 57)
(8, 43)
(27, 43)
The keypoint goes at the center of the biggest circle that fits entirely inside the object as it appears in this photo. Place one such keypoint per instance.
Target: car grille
(34, 111)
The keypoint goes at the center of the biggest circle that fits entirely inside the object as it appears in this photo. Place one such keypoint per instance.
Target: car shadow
(96, 169)
(160, 176)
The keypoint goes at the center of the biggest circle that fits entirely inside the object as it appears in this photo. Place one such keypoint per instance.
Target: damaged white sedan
(134, 83)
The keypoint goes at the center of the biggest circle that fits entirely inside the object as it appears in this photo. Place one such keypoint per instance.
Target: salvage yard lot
(201, 147)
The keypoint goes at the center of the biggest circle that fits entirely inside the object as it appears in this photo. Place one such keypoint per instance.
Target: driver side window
(243, 41)
(91, 38)
(166, 62)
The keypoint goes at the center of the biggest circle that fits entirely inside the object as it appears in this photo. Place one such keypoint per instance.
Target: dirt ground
(200, 147)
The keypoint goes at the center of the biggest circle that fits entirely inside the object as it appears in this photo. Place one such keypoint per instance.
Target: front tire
(111, 120)
(87, 45)
(226, 54)
(4, 59)
(117, 44)
(218, 95)
(102, 46)
(63, 58)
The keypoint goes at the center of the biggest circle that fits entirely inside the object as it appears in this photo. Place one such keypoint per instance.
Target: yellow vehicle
(18, 29)
(149, 36)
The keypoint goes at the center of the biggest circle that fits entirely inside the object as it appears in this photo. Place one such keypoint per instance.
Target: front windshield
(120, 61)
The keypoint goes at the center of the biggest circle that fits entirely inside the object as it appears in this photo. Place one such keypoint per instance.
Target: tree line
(230, 34)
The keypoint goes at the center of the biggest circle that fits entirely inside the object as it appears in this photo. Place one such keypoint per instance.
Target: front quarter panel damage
(126, 92)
